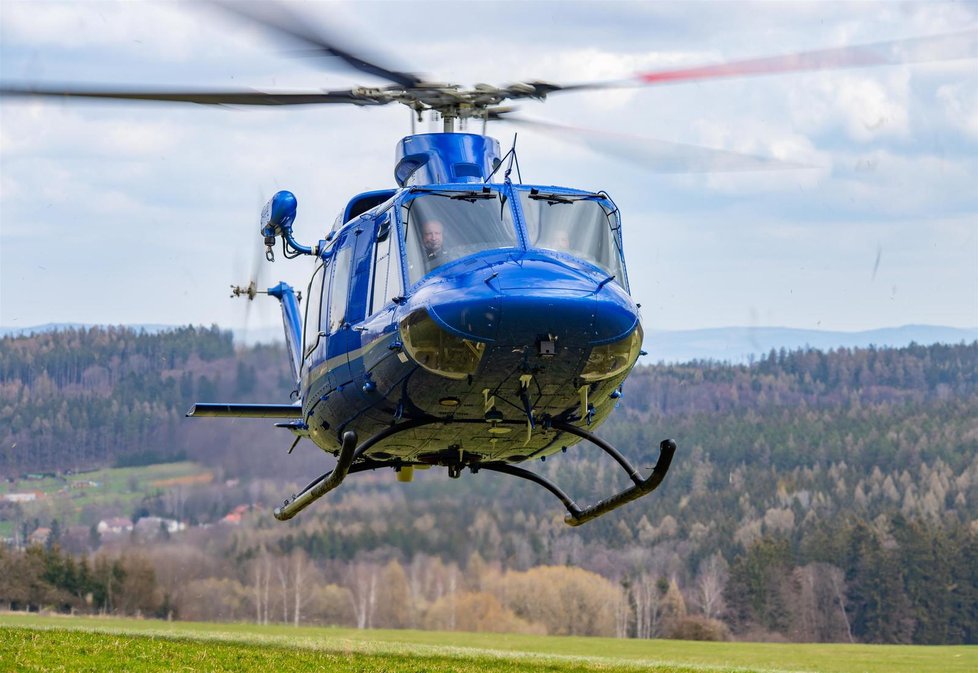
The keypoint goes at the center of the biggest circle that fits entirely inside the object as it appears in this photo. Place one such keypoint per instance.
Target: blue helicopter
(457, 322)
(461, 319)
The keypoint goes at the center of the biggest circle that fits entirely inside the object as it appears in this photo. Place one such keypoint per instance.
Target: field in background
(32, 642)
(64, 497)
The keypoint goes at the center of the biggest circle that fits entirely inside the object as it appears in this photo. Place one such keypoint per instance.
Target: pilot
(433, 240)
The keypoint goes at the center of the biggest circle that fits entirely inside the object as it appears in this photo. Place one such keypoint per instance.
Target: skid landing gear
(350, 460)
(576, 515)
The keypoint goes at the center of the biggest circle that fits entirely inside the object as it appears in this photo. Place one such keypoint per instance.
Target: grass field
(35, 643)
(67, 497)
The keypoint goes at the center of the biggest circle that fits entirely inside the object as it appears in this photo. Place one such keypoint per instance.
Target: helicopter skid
(351, 460)
(324, 484)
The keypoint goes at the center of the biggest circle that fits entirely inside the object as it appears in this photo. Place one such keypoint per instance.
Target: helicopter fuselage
(523, 316)
(457, 322)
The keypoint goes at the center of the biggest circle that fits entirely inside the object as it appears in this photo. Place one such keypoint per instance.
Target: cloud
(164, 198)
(959, 103)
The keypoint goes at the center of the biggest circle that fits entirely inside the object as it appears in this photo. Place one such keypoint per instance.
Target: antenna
(512, 159)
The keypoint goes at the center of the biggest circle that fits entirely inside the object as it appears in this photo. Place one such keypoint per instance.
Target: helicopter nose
(575, 319)
(526, 299)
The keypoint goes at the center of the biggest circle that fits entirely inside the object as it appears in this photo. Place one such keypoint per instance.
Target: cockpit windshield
(443, 226)
(580, 225)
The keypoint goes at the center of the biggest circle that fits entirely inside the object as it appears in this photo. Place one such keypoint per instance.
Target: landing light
(609, 360)
(438, 351)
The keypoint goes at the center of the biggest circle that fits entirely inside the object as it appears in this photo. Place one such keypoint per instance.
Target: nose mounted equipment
(276, 220)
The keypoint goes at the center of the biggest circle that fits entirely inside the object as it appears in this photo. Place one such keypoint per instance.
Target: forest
(815, 496)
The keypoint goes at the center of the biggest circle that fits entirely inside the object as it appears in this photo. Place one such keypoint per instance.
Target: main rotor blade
(946, 47)
(288, 24)
(654, 155)
(199, 97)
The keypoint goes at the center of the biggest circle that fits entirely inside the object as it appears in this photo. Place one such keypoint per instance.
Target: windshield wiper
(469, 195)
(553, 199)
(472, 197)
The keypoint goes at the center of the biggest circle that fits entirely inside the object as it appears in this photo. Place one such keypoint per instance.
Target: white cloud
(959, 103)
(163, 197)
(867, 107)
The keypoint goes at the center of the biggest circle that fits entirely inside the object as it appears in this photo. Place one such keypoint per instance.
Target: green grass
(66, 497)
(35, 643)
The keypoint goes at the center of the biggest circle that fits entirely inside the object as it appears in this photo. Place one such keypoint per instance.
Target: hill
(816, 495)
(741, 345)
(735, 345)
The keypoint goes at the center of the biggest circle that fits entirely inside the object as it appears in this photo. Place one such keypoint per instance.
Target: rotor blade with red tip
(946, 47)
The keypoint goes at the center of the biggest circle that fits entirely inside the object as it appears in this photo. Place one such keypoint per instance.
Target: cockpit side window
(339, 287)
(314, 301)
(582, 227)
(442, 227)
(387, 267)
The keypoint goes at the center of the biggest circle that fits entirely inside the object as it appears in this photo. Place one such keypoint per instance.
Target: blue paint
(291, 321)
(276, 220)
(278, 214)
(521, 290)
(445, 158)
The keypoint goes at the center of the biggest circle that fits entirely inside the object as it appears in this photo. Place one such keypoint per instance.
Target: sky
(145, 214)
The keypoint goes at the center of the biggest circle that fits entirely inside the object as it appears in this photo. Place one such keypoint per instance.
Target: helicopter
(460, 319)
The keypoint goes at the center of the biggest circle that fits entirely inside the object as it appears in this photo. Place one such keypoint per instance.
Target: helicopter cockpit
(583, 225)
(442, 226)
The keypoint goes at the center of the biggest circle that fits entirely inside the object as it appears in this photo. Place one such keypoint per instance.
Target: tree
(710, 584)
(817, 604)
(647, 596)
(475, 611)
(880, 611)
(217, 599)
(567, 601)
(394, 601)
(756, 590)
(138, 591)
(361, 579)
(261, 575)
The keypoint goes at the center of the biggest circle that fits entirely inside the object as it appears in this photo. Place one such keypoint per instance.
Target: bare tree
(838, 582)
(261, 571)
(394, 599)
(710, 585)
(817, 604)
(282, 570)
(647, 599)
(362, 582)
(302, 576)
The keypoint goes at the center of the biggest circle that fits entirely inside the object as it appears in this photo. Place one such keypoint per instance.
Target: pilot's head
(432, 237)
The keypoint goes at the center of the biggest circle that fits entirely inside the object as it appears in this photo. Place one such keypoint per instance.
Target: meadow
(55, 643)
(67, 497)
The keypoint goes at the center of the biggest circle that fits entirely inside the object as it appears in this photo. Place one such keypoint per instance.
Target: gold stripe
(333, 362)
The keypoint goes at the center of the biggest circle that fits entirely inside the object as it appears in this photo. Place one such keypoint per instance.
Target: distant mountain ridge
(737, 345)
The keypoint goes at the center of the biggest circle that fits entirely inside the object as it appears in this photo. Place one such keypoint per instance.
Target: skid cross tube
(522, 473)
(351, 460)
(349, 452)
(667, 448)
(577, 516)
